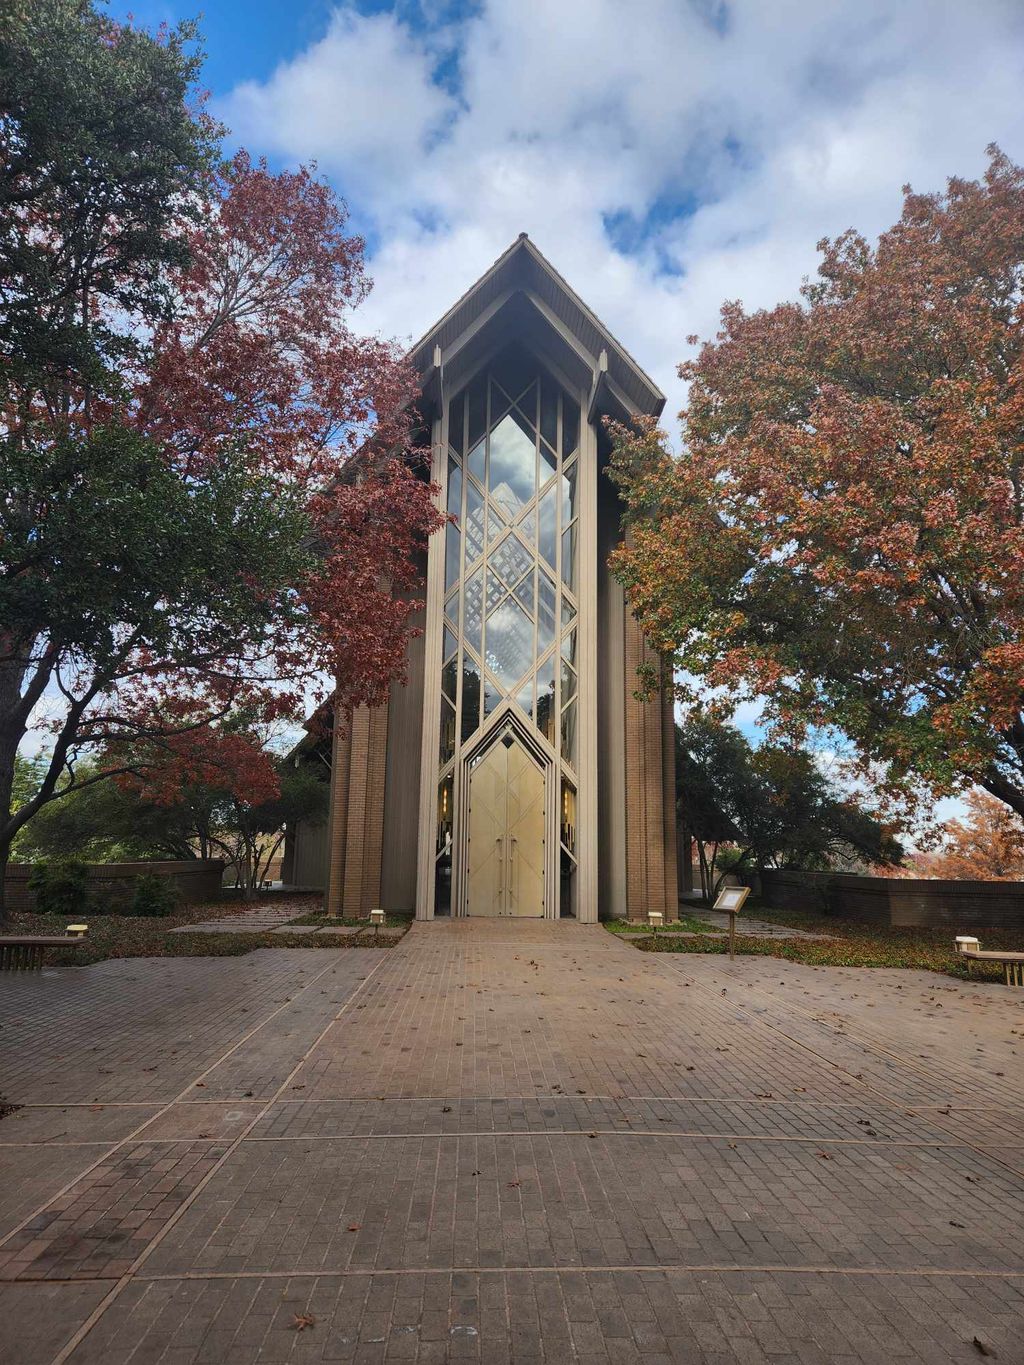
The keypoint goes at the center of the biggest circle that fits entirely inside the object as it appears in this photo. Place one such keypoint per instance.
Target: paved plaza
(501, 1141)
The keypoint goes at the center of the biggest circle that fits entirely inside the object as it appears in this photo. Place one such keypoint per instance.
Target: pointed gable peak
(523, 292)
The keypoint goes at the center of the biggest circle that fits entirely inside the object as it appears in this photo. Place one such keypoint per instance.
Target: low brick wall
(908, 902)
(196, 880)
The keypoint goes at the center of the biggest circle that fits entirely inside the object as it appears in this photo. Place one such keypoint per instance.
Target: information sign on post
(731, 901)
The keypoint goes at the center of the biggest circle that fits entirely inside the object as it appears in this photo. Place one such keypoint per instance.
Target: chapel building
(515, 773)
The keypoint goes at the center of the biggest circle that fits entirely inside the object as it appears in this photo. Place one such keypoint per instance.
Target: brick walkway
(753, 928)
(258, 920)
(502, 1141)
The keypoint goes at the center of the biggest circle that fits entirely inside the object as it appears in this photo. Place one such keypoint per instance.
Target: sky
(666, 155)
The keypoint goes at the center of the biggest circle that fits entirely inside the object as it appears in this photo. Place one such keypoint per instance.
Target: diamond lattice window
(510, 560)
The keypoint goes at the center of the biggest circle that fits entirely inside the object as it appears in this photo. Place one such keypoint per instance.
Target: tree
(218, 792)
(223, 792)
(259, 830)
(711, 760)
(99, 822)
(843, 533)
(769, 806)
(211, 494)
(988, 847)
(103, 164)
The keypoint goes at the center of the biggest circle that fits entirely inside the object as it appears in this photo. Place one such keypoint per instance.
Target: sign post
(731, 900)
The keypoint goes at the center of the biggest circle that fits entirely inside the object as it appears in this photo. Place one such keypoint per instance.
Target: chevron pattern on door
(506, 832)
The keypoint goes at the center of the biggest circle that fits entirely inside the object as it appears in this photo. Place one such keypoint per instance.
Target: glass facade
(510, 574)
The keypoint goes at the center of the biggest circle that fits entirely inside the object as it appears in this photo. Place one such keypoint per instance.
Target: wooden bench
(1013, 963)
(24, 952)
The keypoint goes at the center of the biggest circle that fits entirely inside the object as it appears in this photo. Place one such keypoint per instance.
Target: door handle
(501, 873)
(513, 868)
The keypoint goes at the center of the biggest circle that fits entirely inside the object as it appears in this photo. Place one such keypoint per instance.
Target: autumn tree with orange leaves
(987, 846)
(844, 532)
(211, 496)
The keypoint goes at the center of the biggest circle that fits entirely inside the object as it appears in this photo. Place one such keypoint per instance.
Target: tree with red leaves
(222, 792)
(843, 535)
(212, 497)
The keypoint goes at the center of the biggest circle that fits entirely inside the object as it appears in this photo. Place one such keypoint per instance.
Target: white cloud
(722, 140)
(361, 102)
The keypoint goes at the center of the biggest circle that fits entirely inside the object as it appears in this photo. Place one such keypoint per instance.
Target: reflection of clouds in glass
(515, 609)
(512, 476)
(509, 643)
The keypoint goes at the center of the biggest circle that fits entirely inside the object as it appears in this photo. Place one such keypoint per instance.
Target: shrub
(153, 896)
(61, 888)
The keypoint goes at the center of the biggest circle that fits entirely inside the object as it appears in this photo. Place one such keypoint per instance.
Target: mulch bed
(138, 936)
(850, 944)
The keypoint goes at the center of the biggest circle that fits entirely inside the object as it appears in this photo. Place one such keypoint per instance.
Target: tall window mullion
(511, 430)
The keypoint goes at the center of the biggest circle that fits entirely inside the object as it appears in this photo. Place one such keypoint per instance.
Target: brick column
(337, 819)
(668, 792)
(357, 811)
(651, 878)
(636, 804)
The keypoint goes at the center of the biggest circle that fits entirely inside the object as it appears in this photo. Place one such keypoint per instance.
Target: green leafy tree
(209, 492)
(103, 159)
(770, 806)
(256, 833)
(226, 793)
(100, 822)
(235, 804)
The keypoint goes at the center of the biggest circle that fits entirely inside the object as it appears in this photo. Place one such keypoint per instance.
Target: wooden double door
(507, 819)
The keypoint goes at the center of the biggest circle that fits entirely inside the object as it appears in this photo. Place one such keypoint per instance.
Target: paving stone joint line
(67, 1350)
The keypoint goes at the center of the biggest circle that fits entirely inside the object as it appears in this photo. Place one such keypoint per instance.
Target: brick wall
(910, 902)
(196, 880)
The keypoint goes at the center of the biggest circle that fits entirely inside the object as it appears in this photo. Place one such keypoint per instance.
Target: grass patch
(113, 936)
(850, 944)
(684, 924)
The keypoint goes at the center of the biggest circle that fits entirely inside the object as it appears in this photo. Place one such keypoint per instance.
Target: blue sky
(665, 154)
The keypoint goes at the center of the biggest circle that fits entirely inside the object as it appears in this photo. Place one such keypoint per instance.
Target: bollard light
(655, 919)
(376, 919)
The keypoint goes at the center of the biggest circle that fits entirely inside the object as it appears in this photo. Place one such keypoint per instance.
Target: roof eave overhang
(619, 387)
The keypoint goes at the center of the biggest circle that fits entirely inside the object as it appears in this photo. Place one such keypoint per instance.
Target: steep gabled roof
(524, 273)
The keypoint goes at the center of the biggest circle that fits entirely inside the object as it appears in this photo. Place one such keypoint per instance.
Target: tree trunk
(247, 867)
(702, 855)
(997, 785)
(8, 750)
(712, 884)
(5, 856)
(264, 860)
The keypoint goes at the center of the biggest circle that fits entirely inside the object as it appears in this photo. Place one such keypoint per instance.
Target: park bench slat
(1013, 963)
(24, 952)
(43, 940)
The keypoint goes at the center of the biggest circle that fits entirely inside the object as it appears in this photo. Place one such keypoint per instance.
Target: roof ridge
(532, 258)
